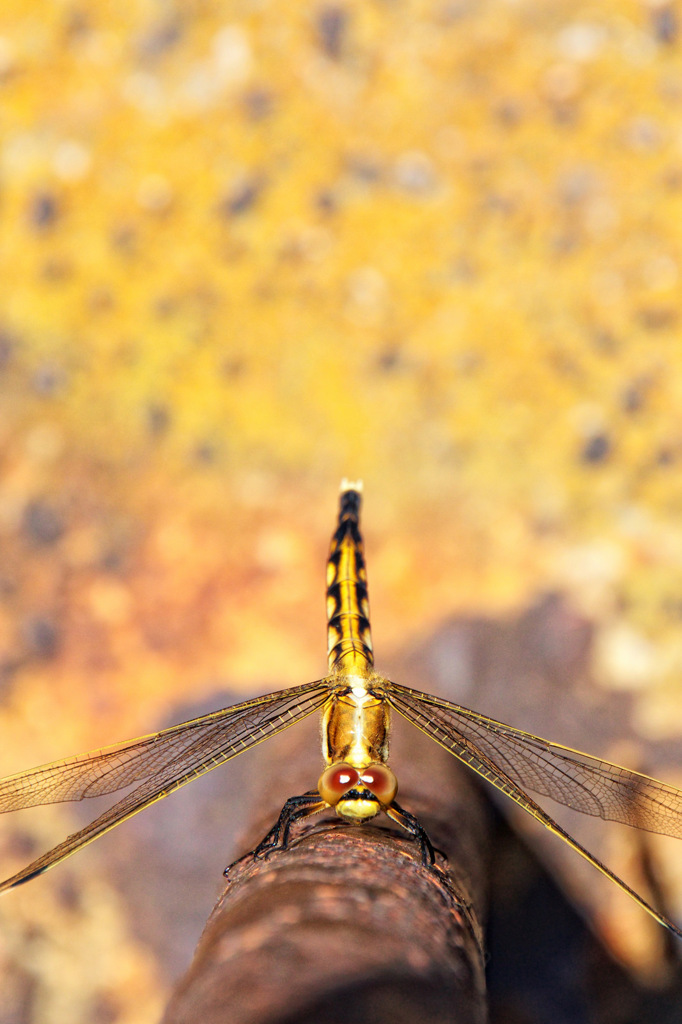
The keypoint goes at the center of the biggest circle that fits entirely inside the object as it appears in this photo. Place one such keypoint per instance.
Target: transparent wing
(161, 762)
(511, 759)
(587, 784)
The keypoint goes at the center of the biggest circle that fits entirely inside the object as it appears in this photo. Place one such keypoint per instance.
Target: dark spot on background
(56, 269)
(389, 360)
(68, 893)
(596, 449)
(6, 348)
(165, 306)
(77, 24)
(606, 343)
(509, 113)
(232, 367)
(159, 39)
(124, 239)
(48, 380)
(331, 31)
(499, 203)
(112, 560)
(565, 243)
(21, 844)
(564, 113)
(242, 198)
(158, 419)
(672, 608)
(463, 270)
(41, 636)
(657, 318)
(258, 104)
(105, 1009)
(364, 169)
(100, 299)
(205, 453)
(41, 524)
(43, 211)
(326, 201)
(634, 396)
(665, 24)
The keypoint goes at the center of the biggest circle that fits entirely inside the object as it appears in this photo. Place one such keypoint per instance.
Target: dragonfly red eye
(380, 780)
(335, 781)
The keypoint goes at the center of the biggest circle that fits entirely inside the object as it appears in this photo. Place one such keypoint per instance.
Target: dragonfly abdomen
(348, 629)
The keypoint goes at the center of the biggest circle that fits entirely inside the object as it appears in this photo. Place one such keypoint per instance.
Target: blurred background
(250, 248)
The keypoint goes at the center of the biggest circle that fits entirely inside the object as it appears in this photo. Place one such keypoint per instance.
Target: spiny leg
(295, 808)
(302, 806)
(416, 829)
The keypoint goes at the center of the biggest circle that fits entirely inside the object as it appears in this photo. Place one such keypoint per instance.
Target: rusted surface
(341, 912)
(347, 925)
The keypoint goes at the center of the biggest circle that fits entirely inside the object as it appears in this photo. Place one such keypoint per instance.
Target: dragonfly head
(358, 793)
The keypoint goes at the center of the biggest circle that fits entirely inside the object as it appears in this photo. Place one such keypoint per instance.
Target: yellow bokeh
(249, 249)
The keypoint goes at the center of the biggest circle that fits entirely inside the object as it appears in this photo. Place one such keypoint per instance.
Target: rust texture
(346, 925)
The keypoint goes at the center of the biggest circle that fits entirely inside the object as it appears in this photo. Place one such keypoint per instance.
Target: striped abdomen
(350, 640)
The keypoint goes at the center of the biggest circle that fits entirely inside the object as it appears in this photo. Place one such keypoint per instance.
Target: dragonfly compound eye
(335, 781)
(380, 780)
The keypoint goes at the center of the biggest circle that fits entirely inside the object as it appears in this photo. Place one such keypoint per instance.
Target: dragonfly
(356, 705)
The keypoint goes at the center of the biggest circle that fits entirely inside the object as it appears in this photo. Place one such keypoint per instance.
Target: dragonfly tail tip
(351, 485)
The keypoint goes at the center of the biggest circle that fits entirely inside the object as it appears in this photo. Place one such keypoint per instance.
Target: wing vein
(162, 763)
(580, 781)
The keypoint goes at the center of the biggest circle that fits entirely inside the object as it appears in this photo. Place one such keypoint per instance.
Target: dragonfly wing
(164, 762)
(580, 781)
(475, 740)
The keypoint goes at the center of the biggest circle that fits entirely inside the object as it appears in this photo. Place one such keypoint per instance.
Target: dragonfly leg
(295, 808)
(413, 826)
(278, 837)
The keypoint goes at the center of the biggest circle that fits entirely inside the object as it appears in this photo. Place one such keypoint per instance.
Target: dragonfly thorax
(355, 725)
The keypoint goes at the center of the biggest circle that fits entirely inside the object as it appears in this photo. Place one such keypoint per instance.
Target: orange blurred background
(248, 249)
